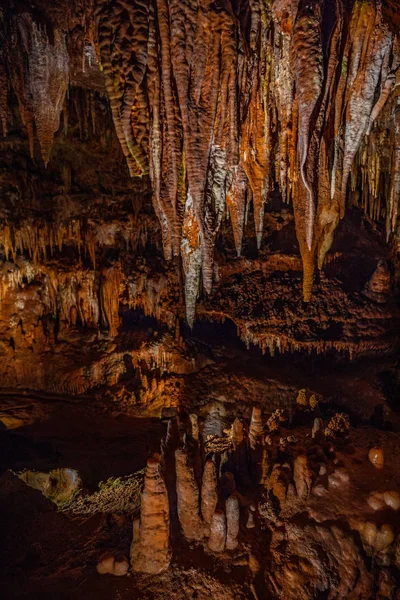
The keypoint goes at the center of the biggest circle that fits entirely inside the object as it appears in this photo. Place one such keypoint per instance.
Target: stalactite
(17, 60)
(307, 65)
(49, 74)
(284, 15)
(110, 295)
(236, 203)
(364, 72)
(122, 37)
(255, 142)
(206, 101)
(394, 197)
(3, 94)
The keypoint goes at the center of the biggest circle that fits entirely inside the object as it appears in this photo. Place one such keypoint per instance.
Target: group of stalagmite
(192, 483)
(200, 518)
(208, 505)
(221, 492)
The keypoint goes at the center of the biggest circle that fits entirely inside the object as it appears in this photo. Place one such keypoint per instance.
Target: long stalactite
(220, 102)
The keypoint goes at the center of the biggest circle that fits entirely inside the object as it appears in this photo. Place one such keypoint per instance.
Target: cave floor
(46, 554)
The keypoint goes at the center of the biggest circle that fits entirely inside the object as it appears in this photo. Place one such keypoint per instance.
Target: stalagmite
(376, 457)
(113, 564)
(217, 538)
(250, 523)
(302, 476)
(378, 287)
(256, 430)
(194, 426)
(188, 498)
(150, 551)
(209, 494)
(317, 428)
(237, 433)
(232, 520)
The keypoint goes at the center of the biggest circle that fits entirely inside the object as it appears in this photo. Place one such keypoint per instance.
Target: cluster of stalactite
(41, 240)
(238, 100)
(38, 68)
(217, 102)
(81, 296)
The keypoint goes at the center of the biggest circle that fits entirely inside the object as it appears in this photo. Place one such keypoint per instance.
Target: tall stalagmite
(150, 551)
(188, 496)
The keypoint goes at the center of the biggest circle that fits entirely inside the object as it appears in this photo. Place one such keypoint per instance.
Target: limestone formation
(382, 500)
(170, 443)
(217, 538)
(209, 494)
(237, 433)
(194, 426)
(150, 550)
(185, 186)
(302, 476)
(232, 522)
(250, 523)
(301, 399)
(376, 457)
(317, 427)
(113, 563)
(374, 538)
(256, 430)
(378, 287)
(339, 425)
(188, 498)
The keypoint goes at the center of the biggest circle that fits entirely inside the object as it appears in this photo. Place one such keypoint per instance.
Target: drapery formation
(218, 102)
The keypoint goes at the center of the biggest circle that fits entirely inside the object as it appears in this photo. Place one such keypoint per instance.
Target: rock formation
(232, 522)
(188, 497)
(209, 494)
(211, 149)
(217, 539)
(150, 551)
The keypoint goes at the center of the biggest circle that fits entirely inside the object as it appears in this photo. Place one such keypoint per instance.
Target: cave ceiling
(226, 161)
